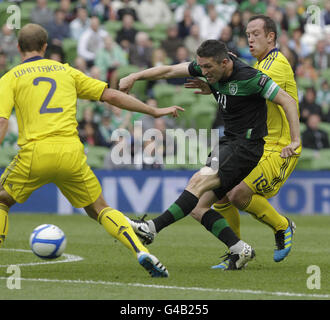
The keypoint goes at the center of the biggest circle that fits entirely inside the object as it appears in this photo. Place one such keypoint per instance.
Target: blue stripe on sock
(112, 221)
(131, 241)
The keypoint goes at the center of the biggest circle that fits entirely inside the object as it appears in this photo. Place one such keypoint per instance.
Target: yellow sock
(3, 223)
(115, 223)
(262, 210)
(231, 214)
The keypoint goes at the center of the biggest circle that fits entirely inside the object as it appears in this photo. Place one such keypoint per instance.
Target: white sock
(237, 247)
(152, 226)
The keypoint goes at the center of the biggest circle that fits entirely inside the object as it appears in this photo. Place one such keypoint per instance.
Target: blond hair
(32, 37)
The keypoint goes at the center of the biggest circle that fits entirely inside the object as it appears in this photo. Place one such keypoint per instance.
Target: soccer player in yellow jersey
(44, 93)
(273, 170)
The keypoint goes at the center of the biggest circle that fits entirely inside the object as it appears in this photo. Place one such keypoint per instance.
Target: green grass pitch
(110, 271)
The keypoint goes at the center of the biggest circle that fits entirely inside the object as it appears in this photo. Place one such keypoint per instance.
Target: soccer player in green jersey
(44, 93)
(241, 92)
(272, 171)
(266, 179)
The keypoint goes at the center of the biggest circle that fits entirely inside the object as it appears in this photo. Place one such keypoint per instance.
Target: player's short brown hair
(213, 49)
(32, 37)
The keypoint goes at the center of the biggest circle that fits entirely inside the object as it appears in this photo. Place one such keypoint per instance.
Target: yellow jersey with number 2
(44, 93)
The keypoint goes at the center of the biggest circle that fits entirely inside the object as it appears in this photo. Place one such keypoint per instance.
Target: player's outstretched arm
(127, 102)
(289, 106)
(162, 72)
(3, 128)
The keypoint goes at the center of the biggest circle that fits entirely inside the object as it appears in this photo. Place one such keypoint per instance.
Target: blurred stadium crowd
(108, 39)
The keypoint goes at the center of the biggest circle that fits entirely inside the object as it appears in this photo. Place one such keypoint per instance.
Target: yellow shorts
(62, 162)
(271, 173)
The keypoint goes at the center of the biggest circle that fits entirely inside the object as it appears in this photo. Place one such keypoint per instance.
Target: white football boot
(142, 229)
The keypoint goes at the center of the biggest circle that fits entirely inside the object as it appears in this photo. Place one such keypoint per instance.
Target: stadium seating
(306, 159)
(70, 49)
(3, 13)
(94, 161)
(326, 127)
(157, 35)
(204, 116)
(325, 74)
(7, 154)
(27, 6)
(311, 159)
(164, 94)
(315, 159)
(139, 87)
(4, 161)
(54, 5)
(304, 83)
(302, 127)
(98, 150)
(204, 111)
(10, 151)
(322, 161)
(185, 99)
(112, 27)
(140, 26)
(124, 71)
(207, 100)
(95, 156)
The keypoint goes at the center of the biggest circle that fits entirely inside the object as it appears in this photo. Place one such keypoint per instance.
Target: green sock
(178, 210)
(219, 227)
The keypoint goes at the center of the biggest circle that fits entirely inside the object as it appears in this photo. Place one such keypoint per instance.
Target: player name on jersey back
(43, 68)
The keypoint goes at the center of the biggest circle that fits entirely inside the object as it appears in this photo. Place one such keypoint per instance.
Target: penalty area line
(213, 290)
(67, 258)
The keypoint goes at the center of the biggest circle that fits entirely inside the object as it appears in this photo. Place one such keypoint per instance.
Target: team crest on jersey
(233, 88)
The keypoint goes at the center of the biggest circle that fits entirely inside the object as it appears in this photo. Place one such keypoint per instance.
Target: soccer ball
(47, 241)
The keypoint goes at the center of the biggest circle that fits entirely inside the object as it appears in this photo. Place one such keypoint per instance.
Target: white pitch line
(214, 290)
(67, 258)
(73, 258)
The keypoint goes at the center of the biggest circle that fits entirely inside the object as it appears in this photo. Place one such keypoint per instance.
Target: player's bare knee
(91, 212)
(204, 180)
(239, 198)
(94, 209)
(194, 184)
(5, 198)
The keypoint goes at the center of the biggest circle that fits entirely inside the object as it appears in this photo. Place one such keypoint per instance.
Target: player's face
(212, 70)
(259, 42)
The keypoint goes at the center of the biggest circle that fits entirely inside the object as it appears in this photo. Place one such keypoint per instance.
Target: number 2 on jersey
(50, 94)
